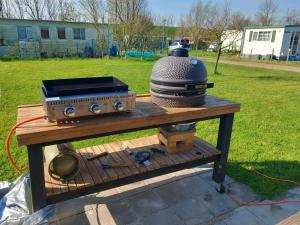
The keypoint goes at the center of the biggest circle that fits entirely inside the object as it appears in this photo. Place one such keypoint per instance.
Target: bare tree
(143, 27)
(224, 25)
(52, 9)
(292, 17)
(267, 12)
(196, 21)
(67, 11)
(5, 9)
(19, 9)
(95, 13)
(35, 8)
(124, 15)
(1, 8)
(163, 22)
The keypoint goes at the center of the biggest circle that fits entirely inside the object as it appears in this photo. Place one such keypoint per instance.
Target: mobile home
(277, 42)
(32, 38)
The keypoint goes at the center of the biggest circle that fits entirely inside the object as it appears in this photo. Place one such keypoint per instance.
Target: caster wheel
(221, 189)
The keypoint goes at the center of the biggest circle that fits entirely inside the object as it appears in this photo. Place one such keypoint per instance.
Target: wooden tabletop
(146, 114)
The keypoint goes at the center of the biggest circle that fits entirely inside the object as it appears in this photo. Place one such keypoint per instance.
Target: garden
(266, 131)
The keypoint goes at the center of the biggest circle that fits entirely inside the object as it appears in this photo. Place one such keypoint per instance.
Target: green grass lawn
(266, 131)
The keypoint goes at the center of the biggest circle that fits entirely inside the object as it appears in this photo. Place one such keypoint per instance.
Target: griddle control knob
(69, 111)
(118, 105)
(95, 108)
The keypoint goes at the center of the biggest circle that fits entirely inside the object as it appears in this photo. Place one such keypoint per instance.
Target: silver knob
(69, 111)
(118, 105)
(95, 108)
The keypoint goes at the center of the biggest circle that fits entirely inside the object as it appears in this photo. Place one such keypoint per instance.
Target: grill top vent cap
(179, 70)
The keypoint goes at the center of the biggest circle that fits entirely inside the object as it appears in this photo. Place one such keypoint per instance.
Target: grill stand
(224, 110)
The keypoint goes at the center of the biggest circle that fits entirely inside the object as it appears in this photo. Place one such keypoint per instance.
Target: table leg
(225, 129)
(36, 169)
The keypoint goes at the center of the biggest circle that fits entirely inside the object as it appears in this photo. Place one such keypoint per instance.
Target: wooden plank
(102, 172)
(146, 114)
(86, 177)
(143, 145)
(128, 159)
(104, 160)
(119, 159)
(112, 159)
(132, 148)
(292, 220)
(90, 169)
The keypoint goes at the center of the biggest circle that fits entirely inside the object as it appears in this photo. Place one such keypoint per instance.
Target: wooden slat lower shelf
(92, 174)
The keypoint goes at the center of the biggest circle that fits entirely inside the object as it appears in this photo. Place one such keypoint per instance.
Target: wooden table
(92, 178)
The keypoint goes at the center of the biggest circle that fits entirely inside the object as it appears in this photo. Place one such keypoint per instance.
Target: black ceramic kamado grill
(179, 80)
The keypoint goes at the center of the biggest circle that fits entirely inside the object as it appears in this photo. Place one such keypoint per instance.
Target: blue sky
(248, 7)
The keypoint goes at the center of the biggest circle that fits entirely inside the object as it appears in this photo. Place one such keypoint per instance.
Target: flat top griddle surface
(78, 86)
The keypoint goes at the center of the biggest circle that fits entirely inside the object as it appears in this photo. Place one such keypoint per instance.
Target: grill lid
(178, 80)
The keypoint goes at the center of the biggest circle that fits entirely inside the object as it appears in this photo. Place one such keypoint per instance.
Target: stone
(132, 188)
(242, 216)
(146, 203)
(78, 219)
(159, 180)
(171, 193)
(72, 207)
(192, 211)
(163, 217)
(271, 214)
(218, 203)
(120, 212)
(242, 191)
(195, 186)
(207, 177)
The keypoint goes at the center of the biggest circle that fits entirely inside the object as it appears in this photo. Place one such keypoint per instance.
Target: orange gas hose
(7, 141)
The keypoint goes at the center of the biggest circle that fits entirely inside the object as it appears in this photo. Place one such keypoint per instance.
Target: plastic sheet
(16, 204)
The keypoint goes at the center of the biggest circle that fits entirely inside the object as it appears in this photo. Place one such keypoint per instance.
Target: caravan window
(61, 33)
(255, 34)
(264, 36)
(45, 32)
(24, 32)
(79, 33)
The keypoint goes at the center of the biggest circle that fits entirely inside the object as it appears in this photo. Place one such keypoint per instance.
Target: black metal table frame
(36, 167)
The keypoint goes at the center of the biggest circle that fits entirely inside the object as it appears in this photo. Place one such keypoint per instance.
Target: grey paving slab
(163, 217)
(78, 219)
(192, 211)
(195, 186)
(188, 188)
(146, 203)
(207, 177)
(218, 203)
(220, 223)
(187, 197)
(159, 180)
(133, 188)
(242, 191)
(99, 216)
(272, 214)
(106, 196)
(241, 216)
(72, 207)
(291, 194)
(121, 212)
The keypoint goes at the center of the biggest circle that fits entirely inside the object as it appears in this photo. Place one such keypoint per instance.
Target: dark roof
(271, 26)
(49, 21)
